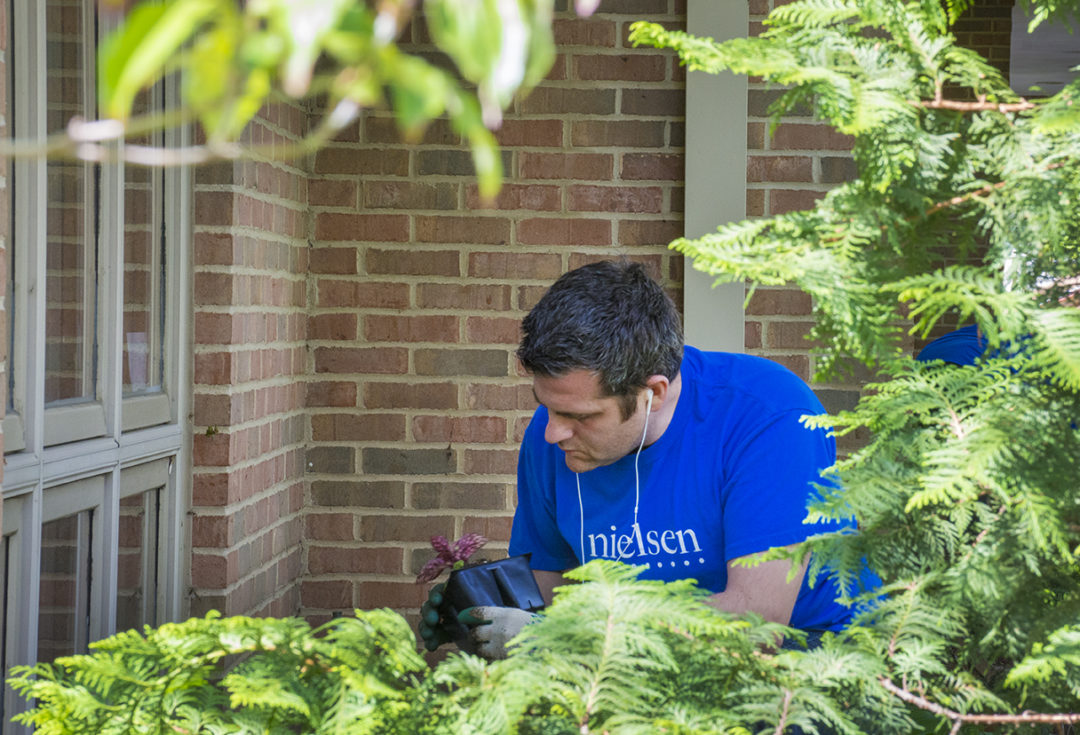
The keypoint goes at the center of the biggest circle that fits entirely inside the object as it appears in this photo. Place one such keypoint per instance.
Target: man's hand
(492, 627)
(431, 632)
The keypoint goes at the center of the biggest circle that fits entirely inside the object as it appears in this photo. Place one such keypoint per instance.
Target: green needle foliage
(967, 494)
(352, 675)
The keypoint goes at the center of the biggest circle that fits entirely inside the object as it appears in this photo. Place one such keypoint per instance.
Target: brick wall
(356, 318)
(417, 290)
(250, 298)
(788, 171)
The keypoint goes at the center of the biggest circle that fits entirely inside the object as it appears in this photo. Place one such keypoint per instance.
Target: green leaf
(134, 57)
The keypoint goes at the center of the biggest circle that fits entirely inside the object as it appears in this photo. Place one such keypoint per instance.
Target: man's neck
(659, 422)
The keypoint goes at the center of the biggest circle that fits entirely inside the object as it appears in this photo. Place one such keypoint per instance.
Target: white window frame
(715, 176)
(64, 459)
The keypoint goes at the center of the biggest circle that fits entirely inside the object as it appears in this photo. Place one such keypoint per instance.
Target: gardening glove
(431, 630)
(492, 627)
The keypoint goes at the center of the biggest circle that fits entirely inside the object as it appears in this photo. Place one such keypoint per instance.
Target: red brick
(494, 528)
(213, 368)
(615, 199)
(466, 429)
(328, 393)
(211, 288)
(370, 595)
(214, 208)
(779, 168)
(791, 200)
(534, 197)
(344, 427)
(653, 166)
(563, 100)
(413, 262)
(755, 203)
(338, 261)
(333, 293)
(469, 229)
(564, 232)
(211, 571)
(409, 195)
(752, 335)
(385, 130)
(591, 32)
(405, 528)
(490, 461)
(649, 232)
(329, 527)
(410, 395)
(787, 335)
(368, 162)
(368, 227)
(211, 451)
(383, 360)
(382, 328)
(336, 560)
(489, 397)
(332, 326)
(327, 594)
(755, 136)
(332, 193)
(474, 297)
(513, 265)
(211, 531)
(638, 67)
(212, 248)
(210, 489)
(213, 409)
(493, 330)
(581, 166)
(621, 133)
(773, 301)
(798, 136)
(558, 72)
(654, 102)
(530, 133)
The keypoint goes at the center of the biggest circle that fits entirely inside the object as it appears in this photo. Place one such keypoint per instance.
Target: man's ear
(659, 385)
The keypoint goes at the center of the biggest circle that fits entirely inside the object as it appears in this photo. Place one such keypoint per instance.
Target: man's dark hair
(609, 318)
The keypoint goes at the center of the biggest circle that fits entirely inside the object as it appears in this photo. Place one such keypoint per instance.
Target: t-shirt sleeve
(535, 529)
(769, 479)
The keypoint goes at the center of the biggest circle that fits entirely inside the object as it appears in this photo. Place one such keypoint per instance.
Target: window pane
(137, 583)
(143, 267)
(6, 221)
(71, 248)
(64, 619)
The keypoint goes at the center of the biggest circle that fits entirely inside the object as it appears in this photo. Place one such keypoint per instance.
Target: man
(647, 452)
(963, 346)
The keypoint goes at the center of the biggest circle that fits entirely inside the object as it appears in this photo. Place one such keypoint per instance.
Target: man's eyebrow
(567, 414)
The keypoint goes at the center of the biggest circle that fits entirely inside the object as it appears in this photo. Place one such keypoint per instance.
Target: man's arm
(763, 589)
(547, 582)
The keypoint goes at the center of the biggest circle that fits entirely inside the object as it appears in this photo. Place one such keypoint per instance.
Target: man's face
(585, 424)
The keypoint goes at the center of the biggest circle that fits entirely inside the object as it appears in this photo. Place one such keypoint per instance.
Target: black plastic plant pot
(503, 583)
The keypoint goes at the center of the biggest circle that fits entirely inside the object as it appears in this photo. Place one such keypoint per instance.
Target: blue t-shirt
(960, 347)
(730, 476)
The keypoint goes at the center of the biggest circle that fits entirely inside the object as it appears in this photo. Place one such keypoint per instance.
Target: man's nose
(557, 430)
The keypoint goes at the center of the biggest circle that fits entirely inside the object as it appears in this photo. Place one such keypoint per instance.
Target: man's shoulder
(751, 378)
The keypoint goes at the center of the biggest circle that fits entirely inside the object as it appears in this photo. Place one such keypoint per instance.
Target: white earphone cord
(637, 484)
